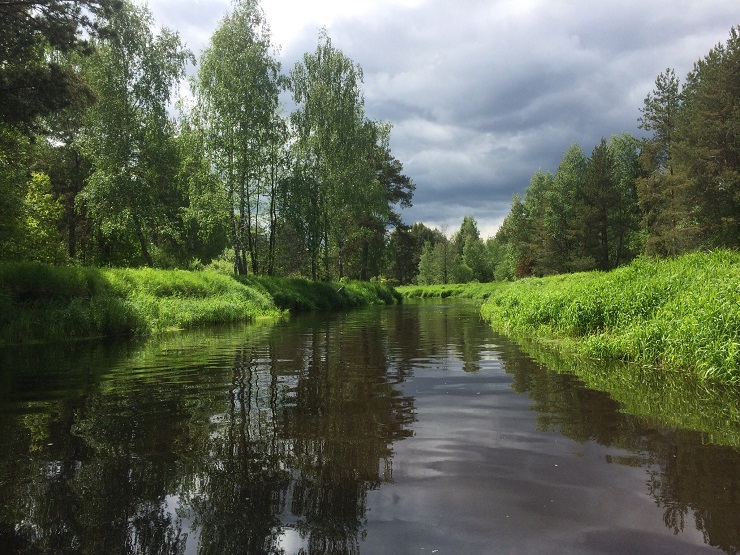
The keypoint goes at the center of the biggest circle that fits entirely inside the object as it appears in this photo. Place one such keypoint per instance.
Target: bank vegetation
(41, 302)
(677, 315)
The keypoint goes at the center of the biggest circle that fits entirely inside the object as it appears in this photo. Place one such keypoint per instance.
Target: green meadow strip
(40, 302)
(461, 290)
(302, 295)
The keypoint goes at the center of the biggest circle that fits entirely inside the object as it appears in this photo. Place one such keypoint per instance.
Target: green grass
(461, 290)
(680, 314)
(302, 295)
(39, 302)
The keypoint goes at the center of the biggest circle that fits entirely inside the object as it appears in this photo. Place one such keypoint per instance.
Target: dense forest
(103, 163)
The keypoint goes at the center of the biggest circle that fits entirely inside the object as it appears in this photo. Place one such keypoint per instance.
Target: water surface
(412, 429)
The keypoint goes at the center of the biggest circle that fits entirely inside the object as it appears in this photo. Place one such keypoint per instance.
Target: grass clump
(478, 291)
(678, 314)
(40, 302)
(302, 295)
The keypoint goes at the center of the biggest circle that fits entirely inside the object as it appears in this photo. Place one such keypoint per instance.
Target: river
(390, 430)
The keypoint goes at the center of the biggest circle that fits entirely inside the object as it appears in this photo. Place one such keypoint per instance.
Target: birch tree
(237, 90)
(336, 150)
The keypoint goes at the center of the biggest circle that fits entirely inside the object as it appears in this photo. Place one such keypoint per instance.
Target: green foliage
(40, 302)
(461, 259)
(237, 92)
(33, 82)
(336, 186)
(585, 217)
(477, 291)
(679, 314)
(39, 238)
(128, 135)
(15, 154)
(690, 193)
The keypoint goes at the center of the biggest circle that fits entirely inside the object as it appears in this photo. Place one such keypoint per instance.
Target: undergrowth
(302, 295)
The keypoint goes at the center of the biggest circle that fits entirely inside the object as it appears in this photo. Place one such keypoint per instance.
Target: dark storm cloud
(482, 93)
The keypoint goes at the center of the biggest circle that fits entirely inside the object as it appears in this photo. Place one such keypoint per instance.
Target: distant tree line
(674, 192)
(95, 169)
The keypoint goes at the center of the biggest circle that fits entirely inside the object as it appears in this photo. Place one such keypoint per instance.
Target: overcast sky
(483, 93)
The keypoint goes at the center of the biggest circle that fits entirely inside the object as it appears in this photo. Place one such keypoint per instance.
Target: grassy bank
(39, 302)
(301, 295)
(461, 290)
(681, 314)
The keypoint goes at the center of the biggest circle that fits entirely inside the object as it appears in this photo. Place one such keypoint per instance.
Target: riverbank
(678, 315)
(40, 303)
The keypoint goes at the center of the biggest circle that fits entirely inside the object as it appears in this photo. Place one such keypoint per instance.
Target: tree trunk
(142, 243)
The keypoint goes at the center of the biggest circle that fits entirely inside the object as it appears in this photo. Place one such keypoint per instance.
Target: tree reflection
(293, 433)
(307, 433)
(270, 441)
(280, 436)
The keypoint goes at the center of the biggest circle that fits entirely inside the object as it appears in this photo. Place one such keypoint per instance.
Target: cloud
(482, 93)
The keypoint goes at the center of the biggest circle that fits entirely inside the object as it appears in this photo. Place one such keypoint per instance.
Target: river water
(389, 430)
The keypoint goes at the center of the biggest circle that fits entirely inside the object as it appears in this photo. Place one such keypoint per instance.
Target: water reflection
(282, 439)
(180, 444)
(695, 483)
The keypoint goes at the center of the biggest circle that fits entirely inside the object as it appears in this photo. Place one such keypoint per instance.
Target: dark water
(412, 429)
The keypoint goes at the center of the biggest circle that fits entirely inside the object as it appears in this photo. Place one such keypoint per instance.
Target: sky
(483, 93)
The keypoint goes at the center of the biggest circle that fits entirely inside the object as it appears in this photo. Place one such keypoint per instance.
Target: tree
(336, 153)
(625, 212)
(237, 88)
(515, 232)
(560, 211)
(15, 158)
(472, 250)
(37, 40)
(524, 227)
(595, 212)
(659, 114)
(39, 238)
(435, 257)
(660, 190)
(206, 214)
(128, 135)
(33, 81)
(705, 145)
(502, 259)
(405, 249)
(370, 229)
(690, 193)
